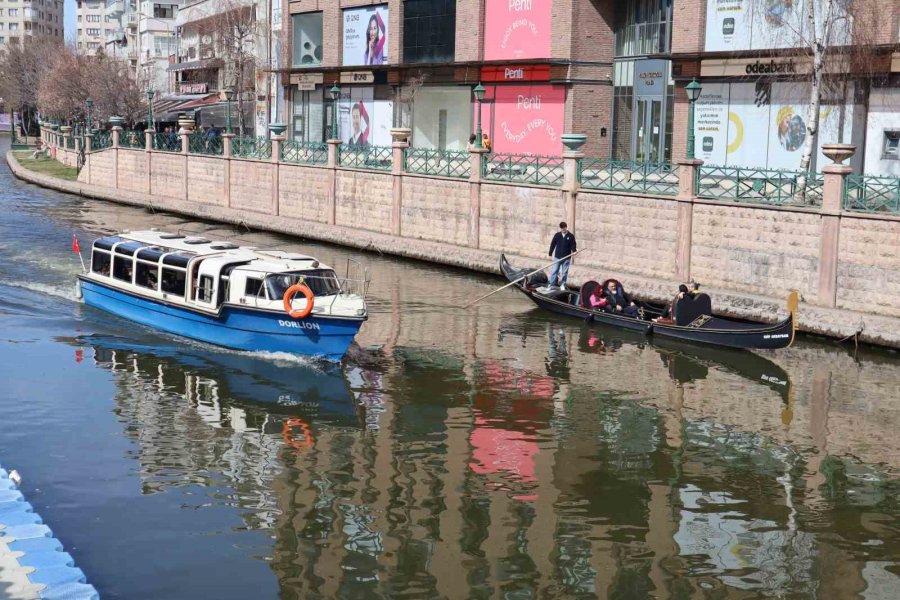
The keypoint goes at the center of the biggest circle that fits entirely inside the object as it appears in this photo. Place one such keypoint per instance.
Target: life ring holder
(289, 296)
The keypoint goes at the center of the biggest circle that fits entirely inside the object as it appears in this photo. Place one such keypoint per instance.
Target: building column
(185, 135)
(149, 134)
(276, 159)
(334, 149)
(688, 168)
(398, 166)
(226, 155)
(571, 183)
(832, 196)
(476, 167)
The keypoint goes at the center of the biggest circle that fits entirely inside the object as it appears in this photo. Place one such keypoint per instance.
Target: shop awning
(193, 65)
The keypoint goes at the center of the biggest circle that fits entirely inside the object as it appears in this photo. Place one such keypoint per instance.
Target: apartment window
(307, 42)
(93, 31)
(164, 11)
(79, 18)
(891, 145)
(643, 27)
(13, 26)
(93, 45)
(429, 31)
(14, 12)
(93, 18)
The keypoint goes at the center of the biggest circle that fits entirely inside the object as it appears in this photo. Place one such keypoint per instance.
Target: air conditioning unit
(310, 52)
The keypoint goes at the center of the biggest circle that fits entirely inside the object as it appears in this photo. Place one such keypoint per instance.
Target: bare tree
(23, 65)
(238, 34)
(406, 95)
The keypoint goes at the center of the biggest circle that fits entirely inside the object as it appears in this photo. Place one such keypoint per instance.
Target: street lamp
(693, 90)
(149, 108)
(229, 94)
(479, 96)
(335, 94)
(90, 105)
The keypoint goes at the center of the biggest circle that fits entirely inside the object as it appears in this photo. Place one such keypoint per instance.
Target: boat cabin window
(321, 282)
(254, 288)
(100, 263)
(146, 275)
(123, 268)
(205, 289)
(172, 281)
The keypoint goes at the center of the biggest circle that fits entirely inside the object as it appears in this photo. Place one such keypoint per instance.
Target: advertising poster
(526, 119)
(748, 125)
(787, 124)
(728, 25)
(517, 29)
(366, 35)
(711, 124)
(776, 24)
(363, 120)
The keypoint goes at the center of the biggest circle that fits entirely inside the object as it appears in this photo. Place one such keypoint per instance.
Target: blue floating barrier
(47, 558)
(70, 591)
(14, 519)
(11, 496)
(52, 576)
(15, 508)
(24, 532)
(36, 545)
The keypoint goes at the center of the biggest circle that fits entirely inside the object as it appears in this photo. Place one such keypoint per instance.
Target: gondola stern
(793, 307)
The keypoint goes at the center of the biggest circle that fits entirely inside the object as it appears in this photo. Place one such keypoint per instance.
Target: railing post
(148, 148)
(116, 133)
(184, 134)
(226, 155)
(832, 201)
(476, 176)
(571, 183)
(277, 140)
(148, 139)
(334, 147)
(400, 137)
(688, 170)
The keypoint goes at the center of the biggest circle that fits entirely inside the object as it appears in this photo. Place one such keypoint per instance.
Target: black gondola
(693, 321)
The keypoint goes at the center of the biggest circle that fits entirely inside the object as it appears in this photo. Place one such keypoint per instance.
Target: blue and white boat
(234, 296)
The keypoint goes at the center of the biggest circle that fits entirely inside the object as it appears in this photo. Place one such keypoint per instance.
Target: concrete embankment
(527, 250)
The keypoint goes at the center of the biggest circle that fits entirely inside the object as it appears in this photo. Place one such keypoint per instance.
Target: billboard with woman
(366, 35)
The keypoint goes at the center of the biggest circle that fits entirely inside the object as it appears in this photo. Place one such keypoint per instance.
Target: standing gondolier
(562, 245)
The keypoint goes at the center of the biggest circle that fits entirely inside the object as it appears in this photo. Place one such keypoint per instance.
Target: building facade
(614, 71)
(92, 26)
(121, 38)
(31, 18)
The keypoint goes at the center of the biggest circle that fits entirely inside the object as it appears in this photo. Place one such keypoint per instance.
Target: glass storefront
(441, 117)
(308, 116)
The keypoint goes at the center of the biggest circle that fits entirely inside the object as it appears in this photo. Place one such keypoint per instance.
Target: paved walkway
(33, 564)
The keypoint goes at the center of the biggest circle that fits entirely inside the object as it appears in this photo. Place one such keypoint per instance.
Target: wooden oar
(521, 278)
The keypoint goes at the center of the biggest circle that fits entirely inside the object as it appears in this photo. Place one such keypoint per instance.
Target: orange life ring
(289, 295)
(288, 436)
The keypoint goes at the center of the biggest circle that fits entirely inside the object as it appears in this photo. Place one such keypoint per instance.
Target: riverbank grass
(46, 166)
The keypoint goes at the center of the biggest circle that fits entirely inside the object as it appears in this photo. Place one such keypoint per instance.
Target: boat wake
(66, 292)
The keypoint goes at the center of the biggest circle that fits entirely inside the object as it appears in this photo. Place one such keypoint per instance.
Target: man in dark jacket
(563, 244)
(618, 300)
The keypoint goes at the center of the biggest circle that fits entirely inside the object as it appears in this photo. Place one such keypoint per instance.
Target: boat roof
(197, 245)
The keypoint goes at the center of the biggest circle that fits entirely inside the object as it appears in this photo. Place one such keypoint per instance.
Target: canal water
(494, 452)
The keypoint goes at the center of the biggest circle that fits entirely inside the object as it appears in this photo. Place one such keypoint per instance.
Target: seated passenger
(667, 315)
(619, 300)
(596, 300)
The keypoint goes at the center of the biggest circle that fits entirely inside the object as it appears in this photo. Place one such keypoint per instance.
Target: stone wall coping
(835, 322)
(464, 180)
(352, 170)
(485, 181)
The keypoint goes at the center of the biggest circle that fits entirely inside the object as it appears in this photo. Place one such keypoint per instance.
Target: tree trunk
(815, 92)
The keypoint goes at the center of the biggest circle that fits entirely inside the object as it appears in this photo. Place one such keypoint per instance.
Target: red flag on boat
(75, 247)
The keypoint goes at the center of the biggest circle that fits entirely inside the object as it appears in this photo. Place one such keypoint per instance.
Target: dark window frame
(429, 31)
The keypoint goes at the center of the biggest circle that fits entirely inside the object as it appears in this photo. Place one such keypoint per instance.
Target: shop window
(307, 42)
(429, 31)
(891, 145)
(643, 27)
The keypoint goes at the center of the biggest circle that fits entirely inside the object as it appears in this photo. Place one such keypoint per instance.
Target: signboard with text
(514, 73)
(517, 29)
(526, 119)
(366, 35)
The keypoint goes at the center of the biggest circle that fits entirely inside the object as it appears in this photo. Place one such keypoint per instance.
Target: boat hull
(233, 327)
(730, 334)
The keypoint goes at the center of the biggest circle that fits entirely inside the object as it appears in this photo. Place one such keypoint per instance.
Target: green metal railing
(200, 142)
(132, 139)
(309, 153)
(628, 176)
(367, 157)
(761, 186)
(251, 147)
(100, 140)
(867, 193)
(166, 141)
(446, 163)
(520, 168)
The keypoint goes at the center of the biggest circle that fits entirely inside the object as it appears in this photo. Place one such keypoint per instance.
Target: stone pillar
(334, 147)
(185, 136)
(226, 154)
(148, 139)
(88, 139)
(276, 158)
(400, 136)
(476, 176)
(832, 196)
(148, 148)
(571, 183)
(116, 133)
(688, 168)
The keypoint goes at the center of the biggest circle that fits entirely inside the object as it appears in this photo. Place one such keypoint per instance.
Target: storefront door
(649, 130)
